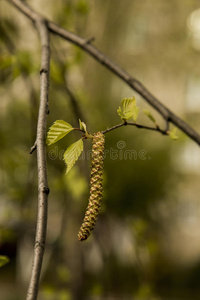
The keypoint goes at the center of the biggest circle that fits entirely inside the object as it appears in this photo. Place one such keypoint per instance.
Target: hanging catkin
(96, 177)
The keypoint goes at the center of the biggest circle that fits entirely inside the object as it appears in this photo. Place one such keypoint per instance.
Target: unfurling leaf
(3, 260)
(72, 154)
(149, 115)
(135, 113)
(173, 134)
(128, 109)
(82, 126)
(57, 131)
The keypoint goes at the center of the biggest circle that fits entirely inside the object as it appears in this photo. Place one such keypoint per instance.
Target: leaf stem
(79, 129)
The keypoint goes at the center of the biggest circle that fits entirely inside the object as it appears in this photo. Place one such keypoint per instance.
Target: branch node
(38, 244)
(46, 190)
(47, 109)
(130, 80)
(43, 70)
(138, 126)
(89, 40)
(33, 148)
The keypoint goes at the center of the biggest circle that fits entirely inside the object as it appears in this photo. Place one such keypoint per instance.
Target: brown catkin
(96, 177)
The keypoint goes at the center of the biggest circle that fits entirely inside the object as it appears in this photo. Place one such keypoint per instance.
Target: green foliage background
(145, 244)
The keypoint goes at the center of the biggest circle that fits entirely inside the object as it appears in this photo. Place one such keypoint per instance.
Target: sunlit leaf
(119, 111)
(3, 260)
(128, 109)
(149, 115)
(173, 134)
(72, 154)
(57, 131)
(135, 113)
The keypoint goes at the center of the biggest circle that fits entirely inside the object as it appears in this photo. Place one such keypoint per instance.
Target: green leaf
(119, 111)
(149, 115)
(72, 154)
(173, 134)
(57, 131)
(82, 126)
(135, 113)
(3, 260)
(128, 109)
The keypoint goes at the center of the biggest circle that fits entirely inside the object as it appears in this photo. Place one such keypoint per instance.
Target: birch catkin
(96, 177)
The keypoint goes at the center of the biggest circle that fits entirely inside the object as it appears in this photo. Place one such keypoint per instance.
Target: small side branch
(140, 126)
(136, 85)
(43, 189)
(33, 148)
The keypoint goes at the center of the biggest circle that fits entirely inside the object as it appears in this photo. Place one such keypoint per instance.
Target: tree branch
(43, 189)
(136, 85)
(166, 113)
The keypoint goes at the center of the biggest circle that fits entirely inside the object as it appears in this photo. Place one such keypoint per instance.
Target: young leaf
(149, 115)
(172, 134)
(82, 126)
(119, 111)
(72, 154)
(57, 131)
(135, 113)
(3, 260)
(128, 109)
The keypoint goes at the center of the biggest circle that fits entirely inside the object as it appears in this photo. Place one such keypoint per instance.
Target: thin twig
(136, 125)
(166, 113)
(33, 148)
(113, 128)
(90, 40)
(136, 85)
(43, 189)
(157, 128)
(75, 103)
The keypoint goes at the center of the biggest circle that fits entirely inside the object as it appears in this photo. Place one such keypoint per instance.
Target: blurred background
(146, 243)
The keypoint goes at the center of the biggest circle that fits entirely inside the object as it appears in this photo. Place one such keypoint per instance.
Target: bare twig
(43, 189)
(90, 40)
(157, 128)
(166, 113)
(165, 132)
(75, 103)
(33, 148)
(136, 85)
